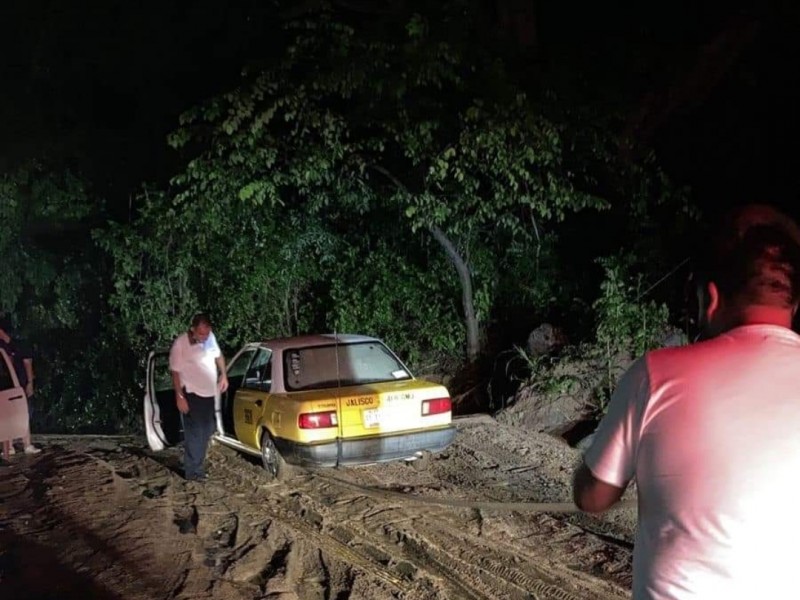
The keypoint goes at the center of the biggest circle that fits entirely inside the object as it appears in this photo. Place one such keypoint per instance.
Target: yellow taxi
(316, 400)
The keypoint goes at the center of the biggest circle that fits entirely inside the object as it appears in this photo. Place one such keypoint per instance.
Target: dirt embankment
(105, 519)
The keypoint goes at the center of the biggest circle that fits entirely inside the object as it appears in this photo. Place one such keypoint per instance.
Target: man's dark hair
(755, 258)
(201, 319)
(5, 324)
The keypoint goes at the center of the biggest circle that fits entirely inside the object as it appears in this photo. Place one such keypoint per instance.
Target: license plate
(372, 417)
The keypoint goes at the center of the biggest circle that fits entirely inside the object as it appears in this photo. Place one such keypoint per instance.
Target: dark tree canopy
(444, 175)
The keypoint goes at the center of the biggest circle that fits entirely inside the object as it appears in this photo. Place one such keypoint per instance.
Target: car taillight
(317, 420)
(436, 406)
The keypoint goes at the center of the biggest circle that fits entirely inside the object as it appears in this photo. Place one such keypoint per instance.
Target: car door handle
(16, 398)
(259, 402)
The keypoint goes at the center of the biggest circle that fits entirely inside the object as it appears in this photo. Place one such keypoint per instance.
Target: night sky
(711, 86)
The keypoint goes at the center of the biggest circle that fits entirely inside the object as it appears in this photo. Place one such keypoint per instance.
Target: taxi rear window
(335, 365)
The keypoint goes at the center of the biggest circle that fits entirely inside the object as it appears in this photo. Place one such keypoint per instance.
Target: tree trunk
(471, 321)
(464, 276)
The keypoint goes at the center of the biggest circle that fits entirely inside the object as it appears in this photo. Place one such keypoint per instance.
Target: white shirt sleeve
(175, 355)
(213, 347)
(612, 455)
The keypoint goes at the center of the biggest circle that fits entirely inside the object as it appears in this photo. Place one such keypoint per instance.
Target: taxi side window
(237, 370)
(6, 381)
(259, 374)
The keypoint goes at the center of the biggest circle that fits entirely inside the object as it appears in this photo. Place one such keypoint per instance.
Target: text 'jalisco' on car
(316, 400)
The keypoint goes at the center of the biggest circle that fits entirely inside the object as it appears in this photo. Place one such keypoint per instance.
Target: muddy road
(104, 518)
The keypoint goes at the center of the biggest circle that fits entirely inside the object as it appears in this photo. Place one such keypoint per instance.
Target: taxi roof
(323, 339)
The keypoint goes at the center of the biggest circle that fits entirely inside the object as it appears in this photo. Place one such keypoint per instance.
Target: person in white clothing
(711, 432)
(198, 372)
(21, 357)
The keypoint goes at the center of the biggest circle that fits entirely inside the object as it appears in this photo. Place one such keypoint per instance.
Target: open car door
(13, 405)
(162, 421)
(238, 370)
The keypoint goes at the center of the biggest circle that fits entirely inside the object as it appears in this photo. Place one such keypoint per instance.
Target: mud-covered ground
(104, 518)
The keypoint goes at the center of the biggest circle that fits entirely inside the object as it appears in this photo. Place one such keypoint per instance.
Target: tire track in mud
(238, 551)
(297, 519)
(598, 564)
(430, 539)
(79, 537)
(334, 536)
(384, 544)
(437, 541)
(273, 509)
(375, 525)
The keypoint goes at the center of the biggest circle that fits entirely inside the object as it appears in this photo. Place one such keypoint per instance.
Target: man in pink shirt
(711, 432)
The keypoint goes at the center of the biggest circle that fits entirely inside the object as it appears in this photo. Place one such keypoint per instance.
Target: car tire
(273, 462)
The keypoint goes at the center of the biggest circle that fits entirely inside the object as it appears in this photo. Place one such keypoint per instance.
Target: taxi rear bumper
(365, 450)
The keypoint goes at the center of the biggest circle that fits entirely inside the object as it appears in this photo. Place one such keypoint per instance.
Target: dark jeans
(198, 427)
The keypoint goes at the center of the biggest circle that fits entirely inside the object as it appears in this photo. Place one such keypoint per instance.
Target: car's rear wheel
(273, 462)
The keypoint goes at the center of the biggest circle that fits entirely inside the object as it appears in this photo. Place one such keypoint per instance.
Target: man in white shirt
(198, 373)
(711, 432)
